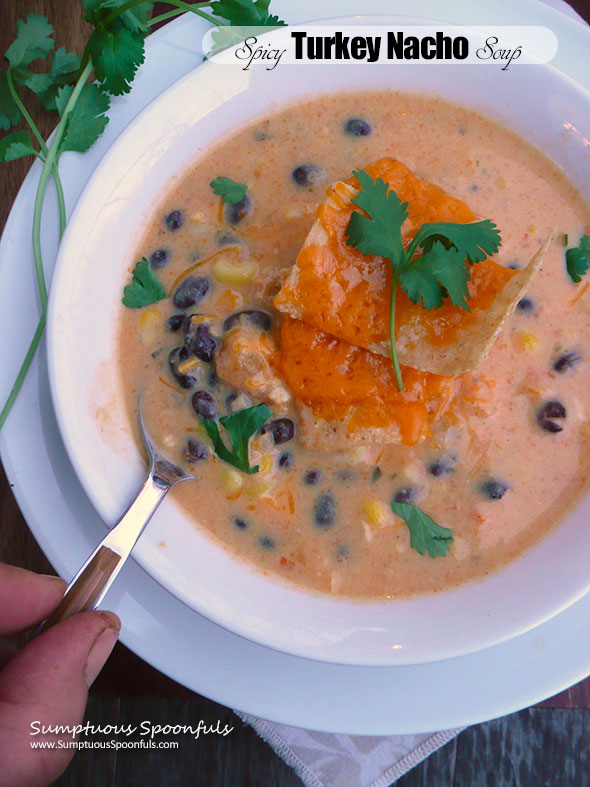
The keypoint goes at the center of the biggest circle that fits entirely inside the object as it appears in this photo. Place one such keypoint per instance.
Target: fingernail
(101, 650)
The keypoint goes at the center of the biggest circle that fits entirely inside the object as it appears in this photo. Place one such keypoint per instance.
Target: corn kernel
(187, 366)
(232, 483)
(375, 512)
(234, 270)
(148, 326)
(258, 489)
(266, 463)
(527, 342)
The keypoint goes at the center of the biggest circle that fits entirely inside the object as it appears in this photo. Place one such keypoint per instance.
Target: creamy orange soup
(501, 452)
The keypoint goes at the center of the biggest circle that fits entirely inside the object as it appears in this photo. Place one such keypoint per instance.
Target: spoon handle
(89, 586)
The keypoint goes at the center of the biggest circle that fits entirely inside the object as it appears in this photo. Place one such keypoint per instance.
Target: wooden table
(129, 689)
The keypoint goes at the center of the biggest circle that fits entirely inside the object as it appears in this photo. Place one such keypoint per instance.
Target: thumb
(47, 682)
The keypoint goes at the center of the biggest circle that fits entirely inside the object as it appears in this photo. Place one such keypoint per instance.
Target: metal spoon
(88, 588)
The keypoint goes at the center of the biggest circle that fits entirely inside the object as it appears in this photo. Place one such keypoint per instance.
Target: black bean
(174, 220)
(312, 477)
(493, 488)
(266, 542)
(525, 305)
(176, 357)
(195, 451)
(174, 323)
(235, 214)
(566, 362)
(440, 467)
(213, 379)
(240, 523)
(547, 414)
(285, 460)
(357, 127)
(308, 175)
(159, 258)
(282, 430)
(205, 405)
(197, 337)
(324, 512)
(256, 317)
(191, 291)
(405, 495)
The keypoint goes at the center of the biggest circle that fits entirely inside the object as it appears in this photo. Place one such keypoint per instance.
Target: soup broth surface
(489, 470)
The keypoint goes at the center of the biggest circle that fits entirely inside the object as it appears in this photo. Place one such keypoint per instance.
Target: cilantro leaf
(62, 69)
(380, 233)
(35, 82)
(240, 427)
(272, 20)
(135, 19)
(64, 65)
(577, 259)
(437, 273)
(87, 120)
(33, 40)
(229, 190)
(225, 37)
(9, 111)
(247, 13)
(425, 534)
(145, 287)
(16, 145)
(474, 242)
(116, 55)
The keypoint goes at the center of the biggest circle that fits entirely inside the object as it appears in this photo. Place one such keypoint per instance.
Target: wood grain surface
(539, 746)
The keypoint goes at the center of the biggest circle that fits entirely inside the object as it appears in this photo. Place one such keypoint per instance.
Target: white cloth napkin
(323, 759)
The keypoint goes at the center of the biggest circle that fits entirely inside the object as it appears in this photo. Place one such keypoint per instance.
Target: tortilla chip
(336, 289)
(471, 344)
(347, 396)
(317, 434)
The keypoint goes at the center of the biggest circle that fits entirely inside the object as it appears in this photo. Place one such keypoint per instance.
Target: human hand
(48, 680)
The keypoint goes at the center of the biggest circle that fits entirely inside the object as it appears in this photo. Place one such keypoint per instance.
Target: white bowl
(95, 253)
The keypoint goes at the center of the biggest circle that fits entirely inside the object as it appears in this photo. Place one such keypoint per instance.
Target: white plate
(91, 269)
(177, 640)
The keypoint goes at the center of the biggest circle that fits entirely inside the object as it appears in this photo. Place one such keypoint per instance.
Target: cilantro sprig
(425, 534)
(240, 427)
(229, 191)
(577, 259)
(114, 52)
(439, 272)
(145, 287)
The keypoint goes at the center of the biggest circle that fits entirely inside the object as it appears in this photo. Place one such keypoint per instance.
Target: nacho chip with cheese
(347, 396)
(338, 290)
